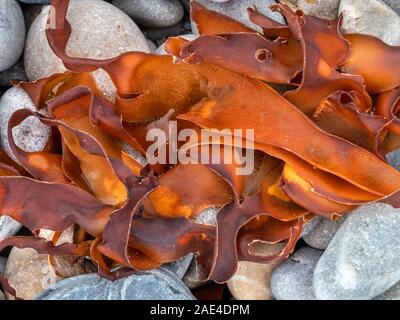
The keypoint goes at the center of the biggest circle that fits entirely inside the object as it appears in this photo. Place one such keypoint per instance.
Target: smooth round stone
(8, 227)
(371, 17)
(12, 33)
(292, 280)
(16, 72)
(99, 31)
(180, 266)
(325, 9)
(394, 159)
(190, 37)
(362, 261)
(207, 216)
(158, 284)
(29, 273)
(322, 234)
(252, 281)
(31, 135)
(237, 9)
(152, 13)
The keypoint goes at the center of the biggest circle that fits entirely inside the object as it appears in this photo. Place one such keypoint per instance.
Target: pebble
(31, 135)
(292, 280)
(190, 37)
(394, 159)
(325, 9)
(158, 284)
(310, 226)
(371, 17)
(12, 33)
(99, 31)
(252, 281)
(16, 72)
(152, 13)
(362, 261)
(8, 227)
(180, 266)
(322, 234)
(237, 9)
(29, 273)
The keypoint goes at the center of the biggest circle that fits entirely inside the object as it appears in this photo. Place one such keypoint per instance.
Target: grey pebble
(325, 9)
(362, 261)
(292, 279)
(394, 4)
(322, 234)
(12, 33)
(372, 17)
(310, 226)
(152, 13)
(159, 284)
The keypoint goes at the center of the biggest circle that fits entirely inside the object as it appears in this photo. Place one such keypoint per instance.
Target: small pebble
(152, 13)
(371, 17)
(292, 279)
(158, 284)
(310, 226)
(322, 234)
(252, 281)
(394, 159)
(12, 33)
(362, 261)
(31, 135)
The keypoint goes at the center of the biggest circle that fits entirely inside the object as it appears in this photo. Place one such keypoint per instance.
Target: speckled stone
(292, 280)
(99, 31)
(12, 33)
(325, 9)
(322, 234)
(207, 216)
(8, 227)
(237, 9)
(31, 135)
(190, 37)
(29, 273)
(252, 281)
(152, 13)
(371, 17)
(362, 261)
(158, 284)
